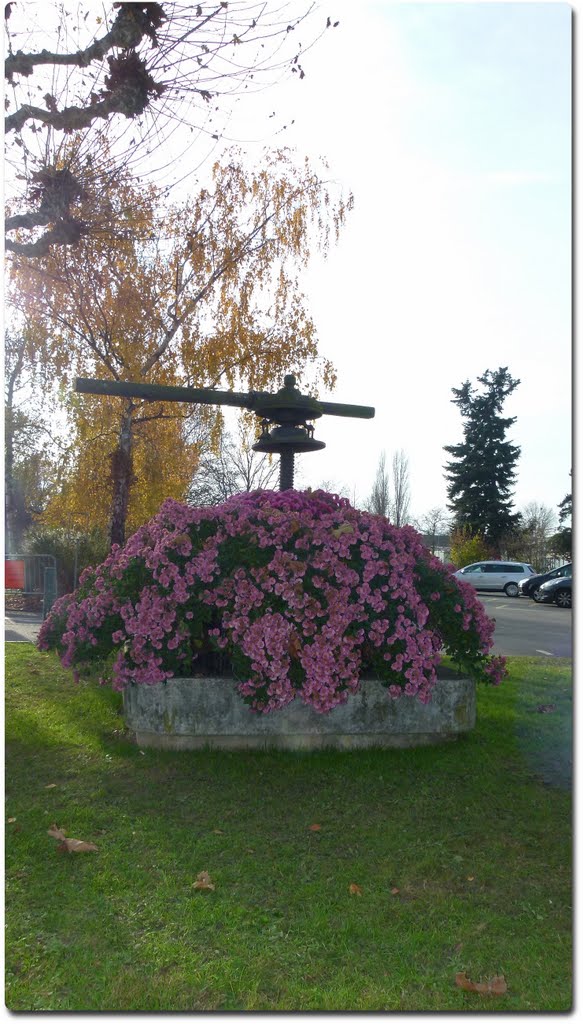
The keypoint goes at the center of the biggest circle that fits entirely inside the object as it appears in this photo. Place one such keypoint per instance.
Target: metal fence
(552, 562)
(30, 581)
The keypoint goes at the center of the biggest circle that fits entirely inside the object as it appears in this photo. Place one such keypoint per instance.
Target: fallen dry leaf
(470, 878)
(498, 985)
(294, 647)
(495, 986)
(77, 846)
(70, 845)
(344, 528)
(354, 889)
(180, 538)
(315, 828)
(51, 785)
(11, 820)
(394, 891)
(203, 881)
(218, 832)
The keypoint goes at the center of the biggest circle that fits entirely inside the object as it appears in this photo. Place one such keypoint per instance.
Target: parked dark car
(530, 587)
(559, 591)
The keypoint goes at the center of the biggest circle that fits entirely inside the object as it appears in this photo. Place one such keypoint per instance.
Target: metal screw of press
(286, 471)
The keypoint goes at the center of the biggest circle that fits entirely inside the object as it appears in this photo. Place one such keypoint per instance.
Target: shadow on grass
(544, 720)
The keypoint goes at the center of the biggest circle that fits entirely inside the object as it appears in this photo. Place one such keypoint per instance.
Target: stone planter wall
(187, 714)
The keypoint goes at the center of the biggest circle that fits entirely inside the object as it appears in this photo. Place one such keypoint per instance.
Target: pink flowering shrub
(298, 593)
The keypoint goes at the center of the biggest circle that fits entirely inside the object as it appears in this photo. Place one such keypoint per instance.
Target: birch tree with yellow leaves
(204, 294)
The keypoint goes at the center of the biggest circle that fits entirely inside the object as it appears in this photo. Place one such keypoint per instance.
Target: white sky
(451, 124)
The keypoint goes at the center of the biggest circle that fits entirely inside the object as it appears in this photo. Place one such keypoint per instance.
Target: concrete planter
(189, 714)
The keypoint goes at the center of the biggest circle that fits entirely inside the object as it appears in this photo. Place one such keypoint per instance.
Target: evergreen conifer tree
(482, 469)
(562, 542)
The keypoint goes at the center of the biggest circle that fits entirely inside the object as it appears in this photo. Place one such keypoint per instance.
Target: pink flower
(300, 590)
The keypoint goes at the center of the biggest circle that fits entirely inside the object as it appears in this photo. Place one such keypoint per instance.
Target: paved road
(522, 627)
(21, 626)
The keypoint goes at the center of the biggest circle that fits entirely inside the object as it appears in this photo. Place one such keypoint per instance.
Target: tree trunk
(9, 489)
(122, 478)
(12, 540)
(17, 518)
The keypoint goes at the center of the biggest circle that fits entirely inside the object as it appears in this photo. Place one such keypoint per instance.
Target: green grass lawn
(475, 836)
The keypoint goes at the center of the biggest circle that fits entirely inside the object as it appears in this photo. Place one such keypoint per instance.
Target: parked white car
(496, 575)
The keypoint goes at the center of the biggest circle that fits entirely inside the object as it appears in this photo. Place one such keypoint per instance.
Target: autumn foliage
(299, 593)
(207, 293)
(467, 547)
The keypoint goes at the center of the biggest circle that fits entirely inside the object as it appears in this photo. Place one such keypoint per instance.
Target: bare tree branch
(188, 54)
(379, 501)
(65, 232)
(128, 30)
(231, 470)
(401, 492)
